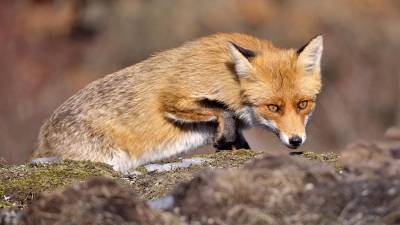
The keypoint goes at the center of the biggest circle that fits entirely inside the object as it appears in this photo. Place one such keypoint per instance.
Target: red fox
(179, 99)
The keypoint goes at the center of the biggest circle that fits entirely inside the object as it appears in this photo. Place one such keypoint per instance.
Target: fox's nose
(295, 141)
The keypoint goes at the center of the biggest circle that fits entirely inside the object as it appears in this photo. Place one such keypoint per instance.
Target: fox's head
(279, 87)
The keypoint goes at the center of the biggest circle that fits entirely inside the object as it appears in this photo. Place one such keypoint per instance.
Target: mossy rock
(153, 185)
(20, 184)
(331, 158)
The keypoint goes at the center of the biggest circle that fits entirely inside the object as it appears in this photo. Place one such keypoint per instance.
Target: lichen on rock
(20, 184)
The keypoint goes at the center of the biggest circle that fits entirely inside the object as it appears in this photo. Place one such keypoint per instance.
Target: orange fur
(124, 118)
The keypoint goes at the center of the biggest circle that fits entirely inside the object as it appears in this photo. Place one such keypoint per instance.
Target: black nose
(295, 141)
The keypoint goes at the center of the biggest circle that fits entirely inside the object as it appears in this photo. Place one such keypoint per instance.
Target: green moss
(327, 157)
(20, 184)
(5, 204)
(324, 157)
(2, 163)
(225, 159)
(141, 169)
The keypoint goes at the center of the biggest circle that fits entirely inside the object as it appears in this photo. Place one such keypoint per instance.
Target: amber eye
(273, 108)
(302, 105)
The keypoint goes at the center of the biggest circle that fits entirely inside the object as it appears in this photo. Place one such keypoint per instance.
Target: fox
(205, 91)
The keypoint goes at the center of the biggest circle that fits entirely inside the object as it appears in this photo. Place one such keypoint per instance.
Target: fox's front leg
(240, 142)
(226, 133)
(229, 136)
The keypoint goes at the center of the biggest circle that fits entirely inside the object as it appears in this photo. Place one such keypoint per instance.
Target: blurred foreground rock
(278, 189)
(100, 201)
(393, 133)
(372, 159)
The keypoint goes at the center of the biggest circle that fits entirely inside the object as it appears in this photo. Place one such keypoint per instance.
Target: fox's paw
(221, 144)
(240, 143)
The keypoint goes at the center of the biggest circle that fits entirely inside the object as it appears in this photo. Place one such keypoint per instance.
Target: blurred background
(51, 48)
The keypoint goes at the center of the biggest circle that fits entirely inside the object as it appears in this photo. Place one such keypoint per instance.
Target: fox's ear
(241, 57)
(309, 56)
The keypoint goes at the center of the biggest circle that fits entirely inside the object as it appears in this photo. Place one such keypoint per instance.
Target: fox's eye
(273, 108)
(302, 105)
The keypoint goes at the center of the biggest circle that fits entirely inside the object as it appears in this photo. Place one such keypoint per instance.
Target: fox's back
(120, 115)
(132, 94)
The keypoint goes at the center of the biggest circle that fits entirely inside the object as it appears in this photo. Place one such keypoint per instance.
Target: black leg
(230, 136)
(240, 142)
(222, 144)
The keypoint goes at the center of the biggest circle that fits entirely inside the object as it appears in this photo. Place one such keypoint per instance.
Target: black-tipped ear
(300, 50)
(309, 56)
(244, 51)
(240, 57)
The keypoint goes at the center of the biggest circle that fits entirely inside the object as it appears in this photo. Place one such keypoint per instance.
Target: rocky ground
(362, 186)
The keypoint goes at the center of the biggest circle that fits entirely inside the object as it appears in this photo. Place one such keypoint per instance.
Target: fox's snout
(290, 132)
(292, 141)
(295, 141)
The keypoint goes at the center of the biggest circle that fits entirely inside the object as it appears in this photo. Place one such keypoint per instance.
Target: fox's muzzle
(292, 141)
(295, 141)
